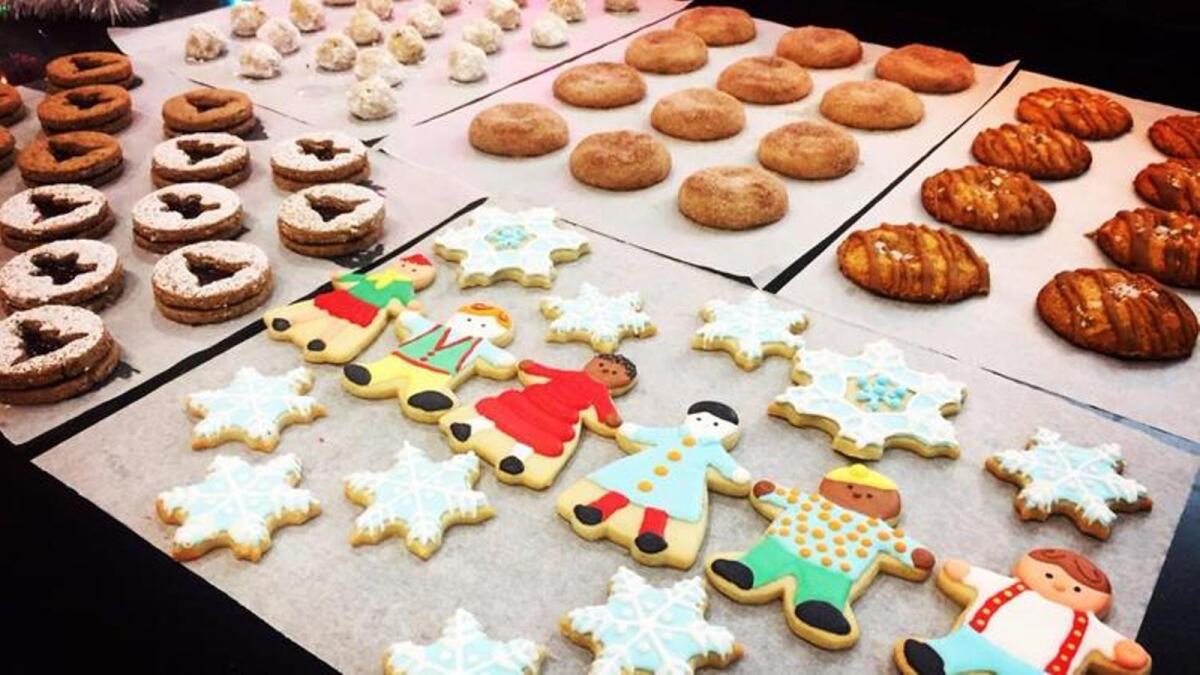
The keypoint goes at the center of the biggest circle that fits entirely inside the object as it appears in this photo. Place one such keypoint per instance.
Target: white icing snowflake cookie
(646, 629)
(598, 319)
(871, 402)
(253, 409)
(418, 499)
(750, 330)
(520, 246)
(1082, 483)
(464, 648)
(237, 505)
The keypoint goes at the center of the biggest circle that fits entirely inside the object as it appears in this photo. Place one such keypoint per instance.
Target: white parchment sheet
(318, 97)
(649, 218)
(417, 200)
(1002, 331)
(523, 569)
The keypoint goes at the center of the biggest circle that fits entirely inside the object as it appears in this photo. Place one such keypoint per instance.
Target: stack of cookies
(317, 158)
(95, 107)
(212, 281)
(201, 158)
(88, 68)
(186, 213)
(79, 272)
(327, 221)
(53, 353)
(222, 110)
(87, 157)
(52, 212)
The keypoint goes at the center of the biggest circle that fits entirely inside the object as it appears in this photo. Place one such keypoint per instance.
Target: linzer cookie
(184, 214)
(211, 281)
(1085, 114)
(8, 150)
(78, 272)
(987, 199)
(915, 263)
(12, 109)
(201, 158)
(1162, 244)
(1118, 313)
(1036, 149)
(95, 107)
(1176, 135)
(53, 353)
(1173, 185)
(317, 158)
(325, 221)
(53, 212)
(87, 68)
(222, 110)
(87, 157)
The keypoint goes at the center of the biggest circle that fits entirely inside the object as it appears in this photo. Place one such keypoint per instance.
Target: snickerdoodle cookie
(620, 160)
(518, 130)
(733, 197)
(809, 150)
(698, 114)
(769, 80)
(872, 104)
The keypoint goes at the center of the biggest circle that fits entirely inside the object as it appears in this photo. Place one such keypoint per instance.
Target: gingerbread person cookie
(521, 246)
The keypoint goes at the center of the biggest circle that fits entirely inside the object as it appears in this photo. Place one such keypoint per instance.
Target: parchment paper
(319, 98)
(650, 218)
(1002, 331)
(522, 570)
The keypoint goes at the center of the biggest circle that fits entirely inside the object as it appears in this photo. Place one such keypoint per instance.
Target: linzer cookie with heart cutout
(78, 272)
(87, 68)
(184, 214)
(53, 353)
(96, 107)
(326, 221)
(54, 212)
(212, 281)
(201, 158)
(317, 158)
(198, 110)
(88, 157)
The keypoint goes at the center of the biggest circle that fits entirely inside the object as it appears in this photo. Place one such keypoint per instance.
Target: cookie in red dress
(78, 272)
(211, 282)
(53, 353)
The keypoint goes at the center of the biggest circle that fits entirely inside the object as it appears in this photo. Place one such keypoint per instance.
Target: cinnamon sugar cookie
(211, 282)
(49, 213)
(86, 68)
(325, 221)
(8, 150)
(319, 157)
(199, 110)
(733, 197)
(873, 104)
(78, 272)
(186, 213)
(600, 85)
(667, 52)
(809, 151)
(915, 263)
(52, 353)
(769, 80)
(518, 130)
(87, 157)
(718, 26)
(698, 114)
(1162, 244)
(93, 107)
(1175, 136)
(1173, 185)
(620, 160)
(929, 70)
(12, 108)
(1037, 150)
(1085, 114)
(817, 47)
(987, 199)
(200, 158)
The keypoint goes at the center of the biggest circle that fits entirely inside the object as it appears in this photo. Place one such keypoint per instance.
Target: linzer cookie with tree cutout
(87, 68)
(201, 158)
(77, 272)
(332, 220)
(53, 353)
(98, 107)
(211, 281)
(206, 109)
(182, 214)
(317, 158)
(49, 213)
(88, 157)
(915, 263)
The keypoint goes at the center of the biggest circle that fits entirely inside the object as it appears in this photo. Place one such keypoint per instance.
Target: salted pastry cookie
(186, 213)
(52, 353)
(463, 634)
(378, 62)
(259, 61)
(319, 157)
(698, 114)
(211, 282)
(505, 13)
(87, 157)
(406, 44)
(1037, 150)
(733, 197)
(987, 199)
(253, 409)
(914, 263)
(872, 104)
(667, 52)
(620, 160)
(769, 80)
(600, 85)
(518, 130)
(1173, 185)
(929, 70)
(483, 33)
(307, 15)
(200, 158)
(50, 213)
(1118, 313)
(78, 272)
(809, 151)
(1175, 135)
(364, 27)
(718, 26)
(245, 18)
(594, 318)
(95, 107)
(12, 108)
(372, 99)
(8, 150)
(203, 43)
(86, 68)
(521, 246)
(1085, 114)
(336, 53)
(468, 63)
(750, 330)
(818, 47)
(427, 20)
(222, 110)
(549, 31)
(335, 219)
(1162, 244)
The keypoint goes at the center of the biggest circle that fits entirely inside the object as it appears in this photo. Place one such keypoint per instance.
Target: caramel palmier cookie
(733, 197)
(186, 213)
(211, 282)
(12, 108)
(8, 150)
(317, 158)
(518, 130)
(1162, 244)
(50, 213)
(1085, 114)
(1173, 185)
(818, 47)
(809, 151)
(1037, 150)
(1118, 313)
(987, 199)
(326, 221)
(87, 157)
(667, 52)
(79, 272)
(929, 70)
(768, 80)
(914, 263)
(718, 26)
(698, 114)
(52, 353)
(620, 160)
(1174, 136)
(600, 85)
(199, 110)
(200, 158)
(873, 104)
(88, 68)
(94, 107)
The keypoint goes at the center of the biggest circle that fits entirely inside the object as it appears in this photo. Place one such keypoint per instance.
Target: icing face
(869, 501)
(1053, 583)
(421, 275)
(608, 372)
(705, 426)
(476, 325)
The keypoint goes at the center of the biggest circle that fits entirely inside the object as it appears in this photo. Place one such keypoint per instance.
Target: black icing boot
(922, 658)
(735, 573)
(430, 401)
(461, 431)
(315, 345)
(357, 374)
(823, 616)
(510, 465)
(648, 542)
(280, 324)
(588, 515)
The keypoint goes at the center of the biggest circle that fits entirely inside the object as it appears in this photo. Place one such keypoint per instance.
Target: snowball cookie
(406, 44)
(246, 18)
(733, 197)
(308, 15)
(372, 99)
(203, 43)
(926, 69)
(817, 47)
(445, 6)
(483, 33)
(336, 53)
(600, 85)
(281, 34)
(505, 13)
(718, 26)
(381, 8)
(259, 61)
(620, 6)
(620, 160)
(809, 150)
(427, 20)
(518, 130)
(874, 104)
(378, 62)
(569, 10)
(698, 114)
(667, 52)
(549, 31)
(364, 27)
(468, 63)
(768, 80)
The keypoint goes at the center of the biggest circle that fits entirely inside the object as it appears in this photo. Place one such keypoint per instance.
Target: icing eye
(870, 496)
(715, 424)
(1049, 575)
(1078, 589)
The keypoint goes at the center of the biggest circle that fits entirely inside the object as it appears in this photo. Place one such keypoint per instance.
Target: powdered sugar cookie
(253, 409)
(520, 246)
(49, 213)
(427, 20)
(331, 220)
(505, 13)
(186, 213)
(211, 282)
(52, 353)
(218, 158)
(336, 53)
(77, 272)
(483, 33)
(307, 15)
(203, 43)
(406, 44)
(319, 157)
(259, 61)
(468, 63)
(372, 99)
(464, 642)
(597, 319)
(750, 330)
(364, 27)
(245, 18)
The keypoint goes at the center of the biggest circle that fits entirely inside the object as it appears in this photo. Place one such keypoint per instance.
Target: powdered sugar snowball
(427, 20)
(468, 63)
(406, 44)
(259, 61)
(378, 62)
(203, 43)
(280, 34)
(505, 13)
(372, 99)
(336, 53)
(550, 30)
(483, 33)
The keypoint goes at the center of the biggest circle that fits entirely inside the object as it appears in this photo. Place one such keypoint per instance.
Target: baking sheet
(417, 200)
(523, 569)
(1002, 331)
(649, 218)
(319, 98)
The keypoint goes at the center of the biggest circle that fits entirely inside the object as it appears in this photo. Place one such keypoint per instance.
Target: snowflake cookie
(237, 505)
(871, 402)
(521, 246)
(646, 629)
(253, 409)
(464, 648)
(598, 319)
(1082, 483)
(418, 499)
(750, 330)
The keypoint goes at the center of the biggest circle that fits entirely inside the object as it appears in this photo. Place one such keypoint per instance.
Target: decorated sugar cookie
(522, 246)
(871, 402)
(337, 326)
(253, 409)
(464, 648)
(750, 330)
(434, 358)
(598, 319)
(1043, 619)
(237, 505)
(1082, 483)
(821, 552)
(646, 629)
(655, 501)
(529, 434)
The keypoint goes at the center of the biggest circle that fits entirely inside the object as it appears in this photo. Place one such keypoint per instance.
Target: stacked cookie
(211, 281)
(78, 272)
(53, 353)
(94, 107)
(326, 221)
(186, 213)
(319, 157)
(83, 69)
(209, 110)
(87, 157)
(52, 212)
(213, 157)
